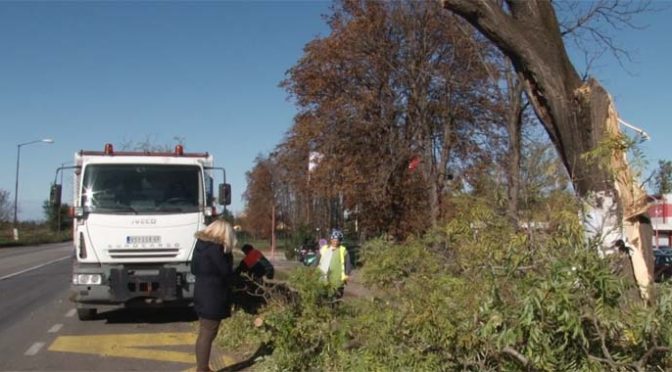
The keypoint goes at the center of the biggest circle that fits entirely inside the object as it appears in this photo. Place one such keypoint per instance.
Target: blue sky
(90, 73)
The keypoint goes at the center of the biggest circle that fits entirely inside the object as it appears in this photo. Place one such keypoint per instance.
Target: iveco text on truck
(135, 215)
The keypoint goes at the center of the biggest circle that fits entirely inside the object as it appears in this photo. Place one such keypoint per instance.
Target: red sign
(660, 210)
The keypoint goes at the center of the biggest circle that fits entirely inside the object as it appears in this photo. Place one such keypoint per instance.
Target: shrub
(475, 294)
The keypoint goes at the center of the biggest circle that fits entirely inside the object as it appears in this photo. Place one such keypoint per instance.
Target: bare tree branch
(641, 363)
(517, 355)
(603, 343)
(589, 25)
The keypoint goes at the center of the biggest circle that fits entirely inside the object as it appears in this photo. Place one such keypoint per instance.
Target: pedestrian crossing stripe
(135, 345)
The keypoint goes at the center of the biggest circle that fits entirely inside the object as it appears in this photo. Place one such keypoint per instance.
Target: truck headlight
(87, 279)
(191, 278)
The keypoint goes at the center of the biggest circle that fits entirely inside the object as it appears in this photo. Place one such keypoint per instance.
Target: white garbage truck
(134, 219)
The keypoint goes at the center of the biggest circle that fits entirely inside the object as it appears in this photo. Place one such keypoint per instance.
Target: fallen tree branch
(517, 355)
(603, 343)
(639, 365)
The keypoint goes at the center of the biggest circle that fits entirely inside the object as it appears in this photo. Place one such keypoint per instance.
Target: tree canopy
(405, 105)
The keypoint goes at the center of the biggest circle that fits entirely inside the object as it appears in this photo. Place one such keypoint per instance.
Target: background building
(660, 212)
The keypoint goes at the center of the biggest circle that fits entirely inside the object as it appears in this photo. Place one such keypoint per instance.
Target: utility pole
(16, 183)
(273, 231)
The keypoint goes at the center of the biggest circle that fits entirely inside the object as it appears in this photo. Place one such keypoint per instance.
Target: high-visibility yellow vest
(342, 252)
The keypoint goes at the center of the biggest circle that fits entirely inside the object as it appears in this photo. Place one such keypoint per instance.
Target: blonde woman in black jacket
(212, 264)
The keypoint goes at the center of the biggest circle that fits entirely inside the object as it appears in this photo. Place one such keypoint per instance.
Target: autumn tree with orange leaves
(406, 105)
(260, 198)
(390, 86)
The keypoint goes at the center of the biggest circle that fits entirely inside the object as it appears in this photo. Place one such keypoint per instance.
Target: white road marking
(70, 313)
(33, 268)
(34, 349)
(55, 328)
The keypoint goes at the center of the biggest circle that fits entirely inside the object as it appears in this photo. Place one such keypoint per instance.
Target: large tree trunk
(579, 117)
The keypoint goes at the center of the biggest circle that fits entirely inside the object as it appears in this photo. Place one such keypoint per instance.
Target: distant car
(662, 268)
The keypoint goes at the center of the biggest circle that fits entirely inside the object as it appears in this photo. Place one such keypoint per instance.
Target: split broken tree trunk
(579, 117)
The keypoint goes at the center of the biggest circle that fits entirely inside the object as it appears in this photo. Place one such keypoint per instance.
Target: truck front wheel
(86, 313)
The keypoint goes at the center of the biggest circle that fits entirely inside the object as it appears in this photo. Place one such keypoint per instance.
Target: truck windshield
(147, 188)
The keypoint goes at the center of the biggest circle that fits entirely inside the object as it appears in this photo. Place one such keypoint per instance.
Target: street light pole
(59, 206)
(16, 183)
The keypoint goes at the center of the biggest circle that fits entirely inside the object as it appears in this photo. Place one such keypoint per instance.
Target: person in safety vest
(255, 264)
(334, 262)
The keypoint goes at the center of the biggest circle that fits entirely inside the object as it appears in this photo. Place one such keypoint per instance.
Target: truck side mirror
(224, 194)
(55, 195)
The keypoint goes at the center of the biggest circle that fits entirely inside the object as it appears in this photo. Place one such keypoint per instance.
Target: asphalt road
(39, 329)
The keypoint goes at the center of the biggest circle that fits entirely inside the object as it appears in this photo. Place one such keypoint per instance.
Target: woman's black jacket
(213, 270)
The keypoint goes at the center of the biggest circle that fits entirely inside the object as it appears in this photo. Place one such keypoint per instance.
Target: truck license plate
(143, 239)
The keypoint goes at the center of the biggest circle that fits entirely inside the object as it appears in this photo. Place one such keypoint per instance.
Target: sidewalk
(280, 263)
(356, 288)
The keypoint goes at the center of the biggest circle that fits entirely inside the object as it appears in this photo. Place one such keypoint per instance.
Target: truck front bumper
(124, 283)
